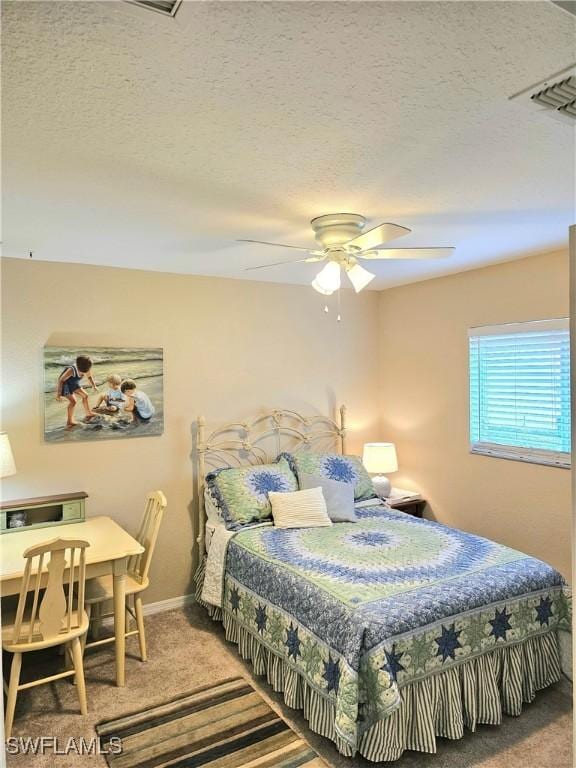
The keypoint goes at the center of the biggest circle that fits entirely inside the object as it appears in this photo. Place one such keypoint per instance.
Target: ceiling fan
(342, 242)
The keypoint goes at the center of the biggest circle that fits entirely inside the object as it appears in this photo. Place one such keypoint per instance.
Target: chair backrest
(52, 615)
(139, 565)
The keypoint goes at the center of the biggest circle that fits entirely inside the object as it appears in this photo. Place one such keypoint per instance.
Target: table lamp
(7, 465)
(379, 458)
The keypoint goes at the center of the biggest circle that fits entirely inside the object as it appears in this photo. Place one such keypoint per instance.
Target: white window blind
(520, 391)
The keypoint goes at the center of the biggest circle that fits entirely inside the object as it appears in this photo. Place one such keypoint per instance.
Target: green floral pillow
(242, 493)
(344, 469)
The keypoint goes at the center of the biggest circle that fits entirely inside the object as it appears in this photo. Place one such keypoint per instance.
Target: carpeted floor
(187, 650)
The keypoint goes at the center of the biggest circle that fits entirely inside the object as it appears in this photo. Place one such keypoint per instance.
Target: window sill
(562, 461)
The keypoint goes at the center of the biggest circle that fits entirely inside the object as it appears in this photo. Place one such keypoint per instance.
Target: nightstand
(407, 501)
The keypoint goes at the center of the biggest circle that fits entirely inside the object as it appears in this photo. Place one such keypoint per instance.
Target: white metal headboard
(259, 441)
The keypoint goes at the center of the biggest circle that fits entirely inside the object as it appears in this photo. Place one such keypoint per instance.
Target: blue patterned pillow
(344, 469)
(242, 493)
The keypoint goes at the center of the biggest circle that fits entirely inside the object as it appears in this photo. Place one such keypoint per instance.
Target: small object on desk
(17, 520)
(410, 502)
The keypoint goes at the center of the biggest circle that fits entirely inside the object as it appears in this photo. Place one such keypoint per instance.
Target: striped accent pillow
(299, 509)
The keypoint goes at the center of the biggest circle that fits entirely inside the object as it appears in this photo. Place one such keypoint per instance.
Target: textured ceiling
(140, 141)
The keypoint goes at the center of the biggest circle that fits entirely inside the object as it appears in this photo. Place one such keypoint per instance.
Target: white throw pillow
(299, 509)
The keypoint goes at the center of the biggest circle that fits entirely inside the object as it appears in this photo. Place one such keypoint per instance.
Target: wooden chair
(56, 618)
(100, 589)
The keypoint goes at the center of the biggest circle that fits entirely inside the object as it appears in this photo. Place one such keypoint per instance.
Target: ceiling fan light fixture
(359, 277)
(319, 288)
(328, 279)
(343, 243)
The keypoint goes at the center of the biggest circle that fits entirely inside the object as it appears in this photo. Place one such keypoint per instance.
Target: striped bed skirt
(477, 692)
(227, 725)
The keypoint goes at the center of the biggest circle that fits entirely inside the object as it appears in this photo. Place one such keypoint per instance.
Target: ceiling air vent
(554, 97)
(560, 96)
(167, 7)
(566, 5)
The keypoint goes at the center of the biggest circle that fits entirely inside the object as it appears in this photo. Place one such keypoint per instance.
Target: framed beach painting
(102, 393)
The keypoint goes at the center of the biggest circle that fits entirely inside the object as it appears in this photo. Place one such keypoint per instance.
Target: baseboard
(160, 606)
(168, 605)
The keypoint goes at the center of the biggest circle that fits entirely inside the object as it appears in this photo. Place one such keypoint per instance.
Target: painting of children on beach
(95, 393)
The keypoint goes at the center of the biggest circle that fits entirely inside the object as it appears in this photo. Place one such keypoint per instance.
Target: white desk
(109, 550)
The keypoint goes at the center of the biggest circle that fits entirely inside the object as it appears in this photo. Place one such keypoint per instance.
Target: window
(520, 391)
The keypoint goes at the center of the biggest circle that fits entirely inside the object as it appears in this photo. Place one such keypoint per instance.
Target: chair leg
(140, 622)
(69, 661)
(96, 620)
(12, 694)
(83, 639)
(85, 635)
(79, 669)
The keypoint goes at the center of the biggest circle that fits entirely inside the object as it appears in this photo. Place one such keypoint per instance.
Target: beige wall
(424, 403)
(232, 348)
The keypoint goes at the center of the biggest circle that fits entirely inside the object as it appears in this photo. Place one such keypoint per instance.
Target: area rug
(227, 725)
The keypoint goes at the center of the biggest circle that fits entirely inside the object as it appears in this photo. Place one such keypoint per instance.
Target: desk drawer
(72, 511)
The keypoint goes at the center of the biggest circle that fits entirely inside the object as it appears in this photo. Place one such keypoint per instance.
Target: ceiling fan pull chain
(338, 316)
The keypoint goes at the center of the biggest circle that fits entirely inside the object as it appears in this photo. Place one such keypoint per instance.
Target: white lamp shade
(317, 287)
(7, 465)
(328, 279)
(359, 277)
(379, 458)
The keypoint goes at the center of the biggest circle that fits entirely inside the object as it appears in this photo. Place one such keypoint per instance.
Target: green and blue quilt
(362, 609)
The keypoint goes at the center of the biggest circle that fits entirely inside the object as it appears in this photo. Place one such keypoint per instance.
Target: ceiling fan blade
(278, 263)
(378, 236)
(278, 245)
(407, 253)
